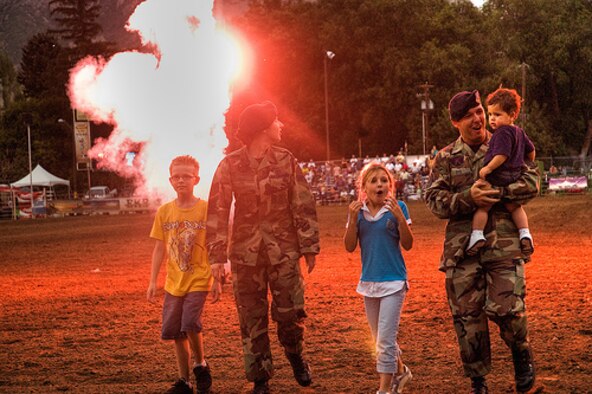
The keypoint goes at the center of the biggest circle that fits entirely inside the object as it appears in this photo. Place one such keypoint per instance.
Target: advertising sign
(82, 138)
(568, 183)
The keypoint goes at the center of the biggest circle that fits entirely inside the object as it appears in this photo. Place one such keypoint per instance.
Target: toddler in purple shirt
(509, 146)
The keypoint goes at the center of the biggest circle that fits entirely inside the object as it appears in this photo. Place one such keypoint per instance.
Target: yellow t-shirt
(184, 233)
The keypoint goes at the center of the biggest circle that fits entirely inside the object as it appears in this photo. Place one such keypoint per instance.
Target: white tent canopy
(41, 177)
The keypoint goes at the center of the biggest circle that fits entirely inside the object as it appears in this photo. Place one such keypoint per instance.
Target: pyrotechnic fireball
(169, 99)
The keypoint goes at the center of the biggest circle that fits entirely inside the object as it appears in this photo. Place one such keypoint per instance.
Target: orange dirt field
(74, 317)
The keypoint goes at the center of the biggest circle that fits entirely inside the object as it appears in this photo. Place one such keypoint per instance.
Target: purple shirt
(512, 142)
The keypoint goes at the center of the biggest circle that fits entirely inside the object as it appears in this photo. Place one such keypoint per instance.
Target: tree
(51, 144)
(552, 39)
(77, 25)
(386, 48)
(43, 68)
(9, 88)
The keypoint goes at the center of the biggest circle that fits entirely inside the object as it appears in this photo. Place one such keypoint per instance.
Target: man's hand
(483, 195)
(310, 261)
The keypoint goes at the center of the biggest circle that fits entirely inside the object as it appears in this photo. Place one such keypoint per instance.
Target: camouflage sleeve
(304, 212)
(440, 198)
(526, 187)
(219, 203)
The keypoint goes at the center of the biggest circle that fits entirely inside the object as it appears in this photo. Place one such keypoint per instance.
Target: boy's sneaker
(181, 386)
(261, 387)
(399, 381)
(301, 370)
(203, 379)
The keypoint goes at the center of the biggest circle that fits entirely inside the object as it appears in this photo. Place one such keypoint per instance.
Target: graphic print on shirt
(391, 225)
(182, 242)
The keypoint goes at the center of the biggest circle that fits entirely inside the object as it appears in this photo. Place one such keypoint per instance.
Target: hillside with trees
(384, 51)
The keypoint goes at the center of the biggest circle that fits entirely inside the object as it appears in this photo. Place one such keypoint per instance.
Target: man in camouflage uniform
(274, 224)
(490, 284)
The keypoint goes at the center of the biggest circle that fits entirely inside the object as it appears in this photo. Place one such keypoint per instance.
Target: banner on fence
(568, 183)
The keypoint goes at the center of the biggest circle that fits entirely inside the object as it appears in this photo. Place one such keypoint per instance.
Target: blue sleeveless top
(382, 260)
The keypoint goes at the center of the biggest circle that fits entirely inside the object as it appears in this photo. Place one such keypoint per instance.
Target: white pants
(384, 315)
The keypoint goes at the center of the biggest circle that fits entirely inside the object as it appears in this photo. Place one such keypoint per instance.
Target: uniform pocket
(520, 284)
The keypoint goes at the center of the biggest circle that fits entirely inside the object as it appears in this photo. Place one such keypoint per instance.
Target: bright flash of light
(169, 100)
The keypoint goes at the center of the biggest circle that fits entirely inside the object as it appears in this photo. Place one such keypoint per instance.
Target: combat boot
(524, 374)
(479, 385)
(261, 386)
(301, 369)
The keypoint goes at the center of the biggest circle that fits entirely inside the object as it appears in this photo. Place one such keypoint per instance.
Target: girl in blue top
(381, 224)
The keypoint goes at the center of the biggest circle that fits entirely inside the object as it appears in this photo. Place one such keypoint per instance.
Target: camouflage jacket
(454, 171)
(273, 206)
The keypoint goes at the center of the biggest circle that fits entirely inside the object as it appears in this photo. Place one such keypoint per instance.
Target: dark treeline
(384, 50)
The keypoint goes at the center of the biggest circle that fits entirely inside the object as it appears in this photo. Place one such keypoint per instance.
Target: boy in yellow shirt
(180, 231)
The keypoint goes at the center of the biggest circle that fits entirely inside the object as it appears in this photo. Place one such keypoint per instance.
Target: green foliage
(9, 88)
(386, 48)
(76, 20)
(77, 25)
(51, 143)
(43, 69)
(541, 132)
(552, 38)
(43, 74)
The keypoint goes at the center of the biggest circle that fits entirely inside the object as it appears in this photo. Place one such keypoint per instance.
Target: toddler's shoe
(526, 245)
(476, 242)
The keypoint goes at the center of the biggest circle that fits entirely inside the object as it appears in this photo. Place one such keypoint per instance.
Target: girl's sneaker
(399, 381)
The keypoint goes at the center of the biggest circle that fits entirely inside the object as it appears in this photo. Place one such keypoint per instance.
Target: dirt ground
(74, 318)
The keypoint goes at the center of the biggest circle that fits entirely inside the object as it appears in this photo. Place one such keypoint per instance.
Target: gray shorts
(182, 314)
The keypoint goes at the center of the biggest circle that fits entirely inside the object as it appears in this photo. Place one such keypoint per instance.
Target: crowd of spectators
(334, 182)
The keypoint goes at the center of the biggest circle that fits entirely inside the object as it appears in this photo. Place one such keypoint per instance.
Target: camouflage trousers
(480, 290)
(250, 286)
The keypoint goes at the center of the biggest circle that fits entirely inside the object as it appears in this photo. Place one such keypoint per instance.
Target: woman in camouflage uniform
(274, 224)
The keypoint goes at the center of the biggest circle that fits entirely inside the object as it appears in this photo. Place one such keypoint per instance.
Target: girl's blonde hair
(367, 172)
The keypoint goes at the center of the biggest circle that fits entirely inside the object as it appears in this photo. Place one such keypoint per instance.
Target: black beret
(462, 102)
(254, 119)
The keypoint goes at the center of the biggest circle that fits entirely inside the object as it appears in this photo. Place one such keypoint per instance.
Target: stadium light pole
(328, 56)
(426, 106)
